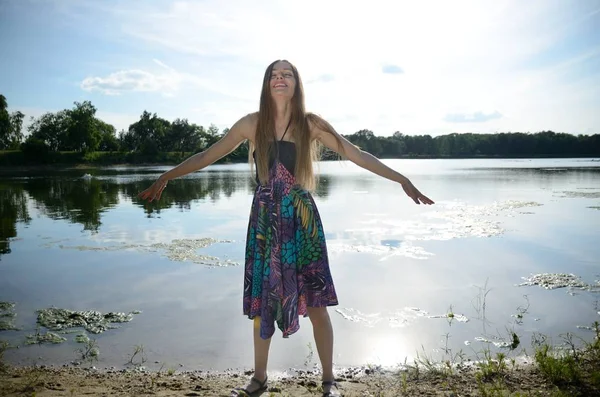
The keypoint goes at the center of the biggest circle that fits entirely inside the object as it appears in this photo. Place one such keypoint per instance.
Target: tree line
(78, 130)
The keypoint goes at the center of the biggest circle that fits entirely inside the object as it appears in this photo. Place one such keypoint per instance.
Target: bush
(9, 158)
(36, 151)
(105, 158)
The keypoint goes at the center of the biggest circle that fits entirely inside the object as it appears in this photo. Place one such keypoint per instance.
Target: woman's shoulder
(311, 117)
(247, 125)
(315, 121)
(250, 120)
(316, 124)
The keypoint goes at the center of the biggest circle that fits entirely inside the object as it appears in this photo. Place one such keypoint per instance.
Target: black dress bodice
(285, 152)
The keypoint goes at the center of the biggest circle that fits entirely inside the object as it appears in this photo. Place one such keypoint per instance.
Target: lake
(411, 279)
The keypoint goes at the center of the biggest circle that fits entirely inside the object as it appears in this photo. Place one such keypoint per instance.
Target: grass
(90, 350)
(491, 368)
(571, 368)
(567, 369)
(4, 346)
(555, 372)
(576, 369)
(138, 357)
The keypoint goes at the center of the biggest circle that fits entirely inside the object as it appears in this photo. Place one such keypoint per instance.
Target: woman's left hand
(414, 193)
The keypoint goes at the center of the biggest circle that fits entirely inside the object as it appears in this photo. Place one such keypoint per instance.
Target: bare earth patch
(71, 381)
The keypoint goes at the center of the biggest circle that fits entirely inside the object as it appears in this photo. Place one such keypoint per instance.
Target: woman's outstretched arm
(326, 134)
(239, 132)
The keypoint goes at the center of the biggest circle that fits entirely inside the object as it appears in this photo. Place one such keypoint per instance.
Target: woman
(286, 267)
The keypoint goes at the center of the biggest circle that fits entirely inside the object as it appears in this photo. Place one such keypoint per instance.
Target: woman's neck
(283, 112)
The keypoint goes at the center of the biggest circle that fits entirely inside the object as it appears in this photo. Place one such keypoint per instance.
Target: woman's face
(283, 82)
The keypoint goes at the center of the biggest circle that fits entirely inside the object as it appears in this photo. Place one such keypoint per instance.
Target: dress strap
(275, 142)
(286, 128)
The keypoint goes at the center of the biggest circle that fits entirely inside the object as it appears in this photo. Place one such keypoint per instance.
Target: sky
(418, 67)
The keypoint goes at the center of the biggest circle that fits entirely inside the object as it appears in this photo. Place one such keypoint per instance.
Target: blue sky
(431, 67)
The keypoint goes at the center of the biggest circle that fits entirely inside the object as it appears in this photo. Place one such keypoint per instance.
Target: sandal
(331, 392)
(262, 387)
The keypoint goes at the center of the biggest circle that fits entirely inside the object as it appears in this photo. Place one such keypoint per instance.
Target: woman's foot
(330, 388)
(253, 388)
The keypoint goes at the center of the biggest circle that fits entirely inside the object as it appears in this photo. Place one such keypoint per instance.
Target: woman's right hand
(154, 191)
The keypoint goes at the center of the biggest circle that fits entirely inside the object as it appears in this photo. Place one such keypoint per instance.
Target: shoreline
(6, 170)
(549, 370)
(518, 379)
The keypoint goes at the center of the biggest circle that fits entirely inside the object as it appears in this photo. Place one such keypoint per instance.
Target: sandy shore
(77, 381)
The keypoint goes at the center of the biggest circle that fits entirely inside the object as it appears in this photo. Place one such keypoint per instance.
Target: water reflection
(68, 196)
(180, 193)
(84, 200)
(79, 201)
(13, 209)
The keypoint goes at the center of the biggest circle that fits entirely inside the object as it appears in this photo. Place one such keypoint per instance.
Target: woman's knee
(318, 315)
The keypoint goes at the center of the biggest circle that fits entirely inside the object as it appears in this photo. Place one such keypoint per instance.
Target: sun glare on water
(388, 350)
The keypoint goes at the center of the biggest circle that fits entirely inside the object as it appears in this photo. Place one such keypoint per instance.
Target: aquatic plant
(39, 338)
(180, 250)
(91, 320)
(90, 351)
(7, 316)
(554, 280)
(138, 357)
(4, 346)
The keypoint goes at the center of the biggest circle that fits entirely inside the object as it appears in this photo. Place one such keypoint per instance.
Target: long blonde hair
(307, 149)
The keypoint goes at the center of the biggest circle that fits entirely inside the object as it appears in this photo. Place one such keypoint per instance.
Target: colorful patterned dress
(286, 264)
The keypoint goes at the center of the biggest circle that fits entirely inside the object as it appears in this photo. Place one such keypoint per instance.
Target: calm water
(89, 243)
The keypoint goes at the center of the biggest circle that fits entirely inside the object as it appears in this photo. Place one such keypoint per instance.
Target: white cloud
(167, 81)
(458, 58)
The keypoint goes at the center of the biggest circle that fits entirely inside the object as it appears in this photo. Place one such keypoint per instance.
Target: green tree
(52, 129)
(108, 139)
(149, 134)
(183, 136)
(5, 127)
(83, 134)
(11, 126)
(213, 130)
(211, 135)
(126, 141)
(16, 130)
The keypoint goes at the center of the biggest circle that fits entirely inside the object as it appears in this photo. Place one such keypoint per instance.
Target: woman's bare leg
(323, 333)
(261, 357)
(261, 352)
